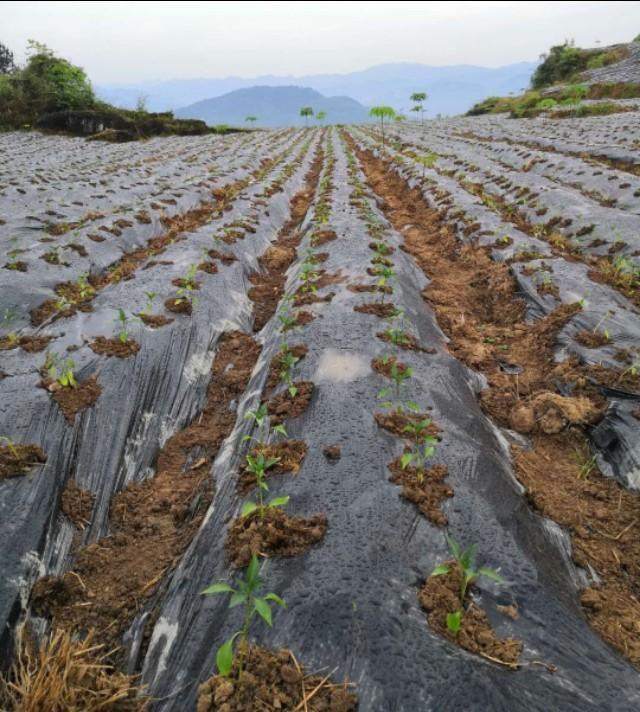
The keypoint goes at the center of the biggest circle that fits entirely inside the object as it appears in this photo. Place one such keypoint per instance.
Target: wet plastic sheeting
(352, 602)
(144, 399)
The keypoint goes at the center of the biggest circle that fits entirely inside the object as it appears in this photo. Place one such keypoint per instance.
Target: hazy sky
(130, 41)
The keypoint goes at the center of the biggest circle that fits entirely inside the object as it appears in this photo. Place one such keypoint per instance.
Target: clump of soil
(332, 452)
(381, 248)
(285, 406)
(359, 288)
(114, 347)
(30, 344)
(426, 490)
(592, 340)
(77, 504)
(273, 534)
(396, 421)
(408, 343)
(303, 299)
(551, 413)
(384, 310)
(441, 595)
(321, 237)
(225, 257)
(273, 680)
(318, 258)
(299, 351)
(384, 365)
(208, 267)
(183, 283)
(16, 460)
(155, 321)
(290, 454)
(178, 305)
(18, 266)
(72, 400)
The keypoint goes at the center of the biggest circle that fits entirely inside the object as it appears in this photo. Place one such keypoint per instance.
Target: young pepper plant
(398, 376)
(466, 560)
(245, 595)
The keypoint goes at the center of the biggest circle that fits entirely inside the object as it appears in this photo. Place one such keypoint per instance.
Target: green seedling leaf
(263, 610)
(248, 508)
(218, 588)
(279, 501)
(440, 570)
(224, 657)
(406, 460)
(453, 622)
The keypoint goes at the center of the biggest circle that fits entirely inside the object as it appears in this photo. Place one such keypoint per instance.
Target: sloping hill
(274, 106)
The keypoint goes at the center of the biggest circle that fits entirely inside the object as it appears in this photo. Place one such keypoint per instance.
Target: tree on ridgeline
(251, 119)
(419, 97)
(321, 116)
(381, 113)
(306, 112)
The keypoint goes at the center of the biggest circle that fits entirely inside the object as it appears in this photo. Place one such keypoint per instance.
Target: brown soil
(208, 267)
(273, 680)
(382, 248)
(291, 453)
(303, 299)
(72, 400)
(30, 344)
(440, 595)
(28, 456)
(360, 288)
(476, 302)
(183, 283)
(155, 321)
(396, 422)
(318, 258)
(591, 340)
(283, 406)
(551, 413)
(114, 347)
(151, 522)
(321, 237)
(225, 257)
(268, 284)
(384, 311)
(410, 343)
(428, 494)
(332, 452)
(178, 305)
(275, 534)
(299, 351)
(77, 504)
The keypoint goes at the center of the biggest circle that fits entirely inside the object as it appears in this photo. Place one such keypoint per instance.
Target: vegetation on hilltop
(50, 92)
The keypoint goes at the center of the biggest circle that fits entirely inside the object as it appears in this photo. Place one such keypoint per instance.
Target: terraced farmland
(430, 342)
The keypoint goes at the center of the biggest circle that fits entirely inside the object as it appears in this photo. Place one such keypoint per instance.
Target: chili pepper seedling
(421, 452)
(245, 595)
(466, 560)
(61, 370)
(122, 319)
(258, 466)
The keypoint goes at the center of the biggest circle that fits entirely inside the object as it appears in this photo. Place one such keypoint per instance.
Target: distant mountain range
(452, 90)
(273, 106)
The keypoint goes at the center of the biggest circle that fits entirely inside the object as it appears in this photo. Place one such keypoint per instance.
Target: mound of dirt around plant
(299, 351)
(114, 347)
(592, 340)
(273, 680)
(178, 305)
(285, 406)
(426, 490)
(30, 344)
(16, 460)
(384, 311)
(440, 596)
(396, 422)
(273, 534)
(72, 400)
(290, 454)
(77, 504)
(155, 321)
